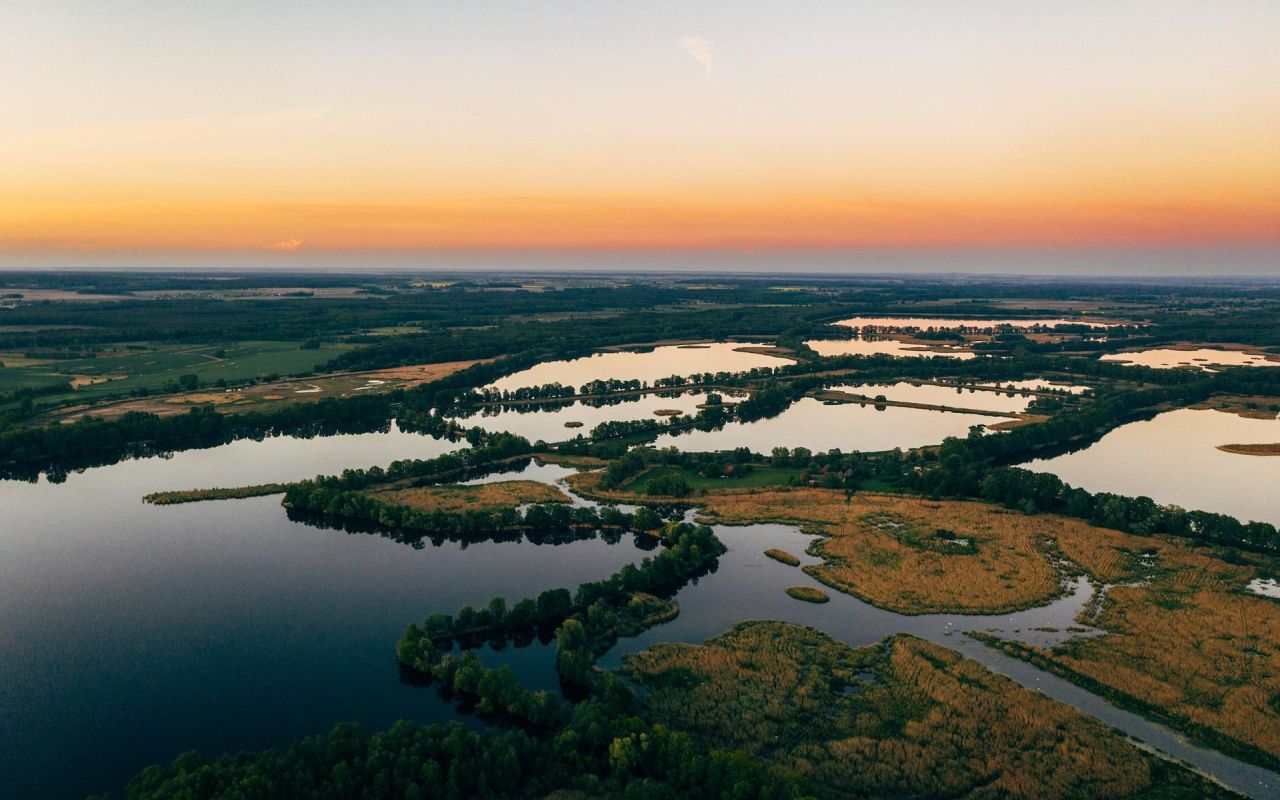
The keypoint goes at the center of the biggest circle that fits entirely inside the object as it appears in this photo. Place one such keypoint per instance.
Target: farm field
(905, 719)
(273, 394)
(153, 366)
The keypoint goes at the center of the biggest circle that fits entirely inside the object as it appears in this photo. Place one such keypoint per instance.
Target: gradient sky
(248, 133)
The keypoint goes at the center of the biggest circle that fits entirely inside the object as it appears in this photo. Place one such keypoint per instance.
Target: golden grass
(782, 556)
(577, 462)
(808, 594)
(1247, 406)
(1187, 637)
(913, 555)
(485, 496)
(912, 719)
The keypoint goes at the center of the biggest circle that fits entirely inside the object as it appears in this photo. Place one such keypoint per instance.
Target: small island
(1251, 449)
(808, 594)
(783, 556)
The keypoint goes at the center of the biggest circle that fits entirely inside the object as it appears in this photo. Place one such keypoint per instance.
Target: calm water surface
(548, 423)
(130, 633)
(660, 362)
(1173, 459)
(888, 347)
(811, 423)
(1011, 402)
(1200, 358)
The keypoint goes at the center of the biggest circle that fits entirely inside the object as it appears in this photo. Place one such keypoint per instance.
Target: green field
(154, 366)
(758, 477)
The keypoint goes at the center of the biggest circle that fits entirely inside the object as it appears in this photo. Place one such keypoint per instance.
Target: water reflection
(887, 347)
(557, 422)
(1173, 459)
(1203, 358)
(130, 632)
(660, 362)
(817, 426)
(1011, 401)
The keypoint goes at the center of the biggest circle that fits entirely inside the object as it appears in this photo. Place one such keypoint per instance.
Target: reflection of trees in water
(107, 452)
(418, 539)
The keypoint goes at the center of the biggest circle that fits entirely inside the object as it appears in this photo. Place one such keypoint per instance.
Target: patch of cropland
(905, 719)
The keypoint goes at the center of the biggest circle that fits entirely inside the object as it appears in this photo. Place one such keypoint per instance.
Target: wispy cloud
(702, 51)
(284, 246)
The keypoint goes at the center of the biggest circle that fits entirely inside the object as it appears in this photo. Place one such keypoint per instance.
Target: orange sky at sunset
(810, 126)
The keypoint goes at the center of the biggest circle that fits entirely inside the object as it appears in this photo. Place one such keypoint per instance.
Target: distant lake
(817, 426)
(1200, 358)
(660, 362)
(951, 323)
(1012, 401)
(1173, 459)
(547, 421)
(886, 347)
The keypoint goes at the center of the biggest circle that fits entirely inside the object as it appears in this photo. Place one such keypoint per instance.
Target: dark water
(130, 633)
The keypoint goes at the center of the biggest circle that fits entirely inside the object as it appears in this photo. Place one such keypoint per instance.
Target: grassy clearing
(151, 365)
(265, 396)
(587, 484)
(196, 495)
(783, 556)
(1186, 642)
(808, 594)
(909, 719)
(576, 462)
(914, 555)
(480, 497)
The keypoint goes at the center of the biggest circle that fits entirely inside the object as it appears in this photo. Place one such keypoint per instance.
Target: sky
(402, 133)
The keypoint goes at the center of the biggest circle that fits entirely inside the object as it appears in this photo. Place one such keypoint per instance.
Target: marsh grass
(485, 496)
(905, 718)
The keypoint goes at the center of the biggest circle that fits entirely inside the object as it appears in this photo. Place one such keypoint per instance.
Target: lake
(1173, 459)
(1010, 401)
(134, 632)
(885, 347)
(818, 426)
(547, 421)
(659, 362)
(1199, 358)
(130, 632)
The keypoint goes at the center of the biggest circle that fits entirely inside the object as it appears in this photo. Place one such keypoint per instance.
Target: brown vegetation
(1249, 407)
(808, 594)
(783, 556)
(1183, 635)
(484, 496)
(910, 719)
(1251, 449)
(913, 555)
